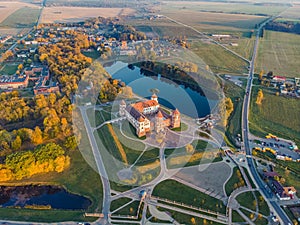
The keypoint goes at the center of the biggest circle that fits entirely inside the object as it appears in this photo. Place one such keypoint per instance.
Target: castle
(147, 116)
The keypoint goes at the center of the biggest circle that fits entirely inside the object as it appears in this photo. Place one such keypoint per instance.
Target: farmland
(76, 14)
(218, 59)
(278, 115)
(214, 22)
(292, 13)
(8, 8)
(279, 52)
(25, 17)
(226, 7)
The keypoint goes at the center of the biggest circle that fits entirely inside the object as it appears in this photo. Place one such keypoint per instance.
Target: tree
(17, 143)
(37, 136)
(193, 220)
(270, 75)
(261, 74)
(71, 143)
(189, 149)
(260, 97)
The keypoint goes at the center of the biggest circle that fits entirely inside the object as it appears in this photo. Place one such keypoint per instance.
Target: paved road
(100, 165)
(245, 125)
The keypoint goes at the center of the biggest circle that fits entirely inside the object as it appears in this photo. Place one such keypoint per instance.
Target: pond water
(56, 197)
(171, 94)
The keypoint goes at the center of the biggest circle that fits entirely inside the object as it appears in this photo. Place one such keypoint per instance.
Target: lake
(171, 95)
(56, 197)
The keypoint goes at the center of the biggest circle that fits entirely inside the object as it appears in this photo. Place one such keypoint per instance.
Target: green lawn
(277, 115)
(178, 192)
(43, 215)
(236, 217)
(8, 69)
(247, 200)
(118, 203)
(262, 204)
(25, 17)
(279, 52)
(186, 219)
(234, 180)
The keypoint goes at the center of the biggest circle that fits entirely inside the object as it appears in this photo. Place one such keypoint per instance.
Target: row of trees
(46, 158)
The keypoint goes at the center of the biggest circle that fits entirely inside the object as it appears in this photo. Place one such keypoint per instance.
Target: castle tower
(159, 122)
(122, 108)
(141, 131)
(175, 121)
(154, 97)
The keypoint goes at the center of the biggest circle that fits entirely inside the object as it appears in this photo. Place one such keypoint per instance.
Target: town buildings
(147, 116)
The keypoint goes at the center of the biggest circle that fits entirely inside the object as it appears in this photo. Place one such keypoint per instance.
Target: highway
(245, 125)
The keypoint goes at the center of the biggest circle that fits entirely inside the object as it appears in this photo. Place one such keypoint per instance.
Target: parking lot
(282, 147)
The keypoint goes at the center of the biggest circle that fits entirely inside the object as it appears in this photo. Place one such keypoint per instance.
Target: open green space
(279, 52)
(236, 217)
(247, 200)
(130, 209)
(249, 178)
(8, 69)
(234, 182)
(25, 17)
(262, 204)
(218, 59)
(178, 192)
(47, 216)
(186, 219)
(118, 203)
(277, 115)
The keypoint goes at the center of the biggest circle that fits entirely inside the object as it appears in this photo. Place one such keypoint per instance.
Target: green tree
(16, 144)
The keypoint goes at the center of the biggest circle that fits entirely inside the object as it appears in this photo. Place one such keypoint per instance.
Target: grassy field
(234, 125)
(236, 217)
(174, 190)
(43, 215)
(76, 14)
(262, 204)
(277, 115)
(292, 12)
(235, 179)
(22, 18)
(247, 200)
(9, 7)
(226, 7)
(279, 52)
(218, 59)
(186, 219)
(214, 22)
(8, 69)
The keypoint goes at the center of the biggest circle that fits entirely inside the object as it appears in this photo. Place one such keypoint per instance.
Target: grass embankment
(279, 52)
(46, 216)
(178, 192)
(203, 153)
(25, 17)
(234, 126)
(235, 181)
(277, 115)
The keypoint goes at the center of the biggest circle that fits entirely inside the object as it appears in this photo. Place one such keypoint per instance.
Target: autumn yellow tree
(260, 97)
(37, 136)
(189, 148)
